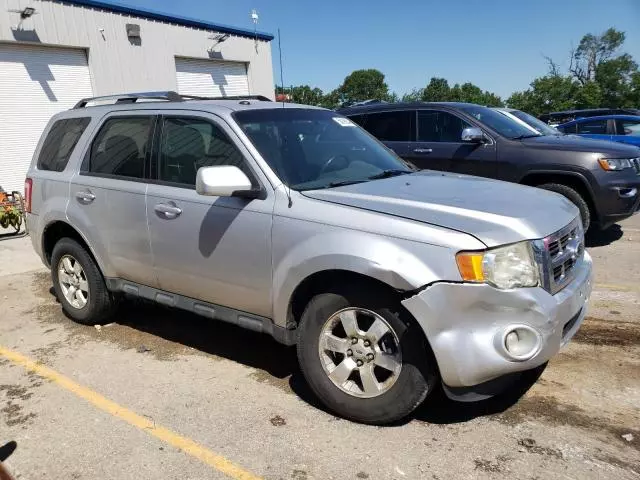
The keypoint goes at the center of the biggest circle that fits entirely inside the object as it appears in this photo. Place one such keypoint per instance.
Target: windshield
(310, 149)
(505, 126)
(536, 123)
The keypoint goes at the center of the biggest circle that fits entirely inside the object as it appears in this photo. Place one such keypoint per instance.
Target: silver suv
(293, 221)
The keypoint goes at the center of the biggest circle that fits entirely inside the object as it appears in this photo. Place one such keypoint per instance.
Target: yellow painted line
(614, 286)
(187, 445)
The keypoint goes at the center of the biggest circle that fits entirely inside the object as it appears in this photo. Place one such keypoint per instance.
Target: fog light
(521, 343)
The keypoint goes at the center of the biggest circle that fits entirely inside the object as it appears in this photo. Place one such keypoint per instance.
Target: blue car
(619, 128)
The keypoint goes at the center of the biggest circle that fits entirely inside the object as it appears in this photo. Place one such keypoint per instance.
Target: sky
(499, 45)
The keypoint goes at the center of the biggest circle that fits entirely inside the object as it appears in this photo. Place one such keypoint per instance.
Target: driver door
(215, 249)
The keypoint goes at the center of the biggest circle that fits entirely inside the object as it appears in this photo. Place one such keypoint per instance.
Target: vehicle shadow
(279, 362)
(602, 238)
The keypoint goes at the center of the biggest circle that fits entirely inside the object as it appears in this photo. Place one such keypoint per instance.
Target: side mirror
(223, 181)
(473, 135)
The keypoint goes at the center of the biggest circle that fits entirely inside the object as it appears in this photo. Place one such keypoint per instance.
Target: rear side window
(391, 126)
(568, 128)
(594, 127)
(359, 119)
(121, 147)
(60, 142)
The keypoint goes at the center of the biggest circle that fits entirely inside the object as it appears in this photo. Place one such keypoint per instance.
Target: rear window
(60, 142)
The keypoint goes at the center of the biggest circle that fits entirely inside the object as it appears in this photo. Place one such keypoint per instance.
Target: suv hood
(494, 212)
(581, 144)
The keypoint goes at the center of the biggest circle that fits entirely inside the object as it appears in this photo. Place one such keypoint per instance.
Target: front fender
(401, 264)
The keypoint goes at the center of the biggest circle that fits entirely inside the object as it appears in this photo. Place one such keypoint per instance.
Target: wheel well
(55, 232)
(323, 281)
(536, 179)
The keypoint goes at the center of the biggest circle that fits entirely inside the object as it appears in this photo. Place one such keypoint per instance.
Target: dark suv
(601, 178)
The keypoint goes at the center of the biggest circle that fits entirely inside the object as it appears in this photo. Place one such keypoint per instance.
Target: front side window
(121, 147)
(309, 148)
(593, 127)
(505, 126)
(629, 127)
(60, 142)
(391, 126)
(190, 143)
(437, 126)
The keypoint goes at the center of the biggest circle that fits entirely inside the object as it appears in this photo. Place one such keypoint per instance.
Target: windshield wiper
(342, 183)
(531, 135)
(388, 173)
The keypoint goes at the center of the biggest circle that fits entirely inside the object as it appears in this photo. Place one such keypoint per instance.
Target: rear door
(627, 131)
(215, 249)
(396, 129)
(598, 128)
(107, 197)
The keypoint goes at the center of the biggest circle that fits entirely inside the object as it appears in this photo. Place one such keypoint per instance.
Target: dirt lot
(163, 394)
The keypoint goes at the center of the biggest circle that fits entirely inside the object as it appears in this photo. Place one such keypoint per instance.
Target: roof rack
(169, 96)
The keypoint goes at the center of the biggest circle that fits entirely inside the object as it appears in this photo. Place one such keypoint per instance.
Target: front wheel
(363, 358)
(575, 198)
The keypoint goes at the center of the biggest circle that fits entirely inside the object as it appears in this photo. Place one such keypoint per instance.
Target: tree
(306, 95)
(614, 78)
(547, 94)
(437, 90)
(593, 50)
(364, 85)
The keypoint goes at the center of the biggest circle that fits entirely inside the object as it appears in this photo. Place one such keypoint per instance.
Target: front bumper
(466, 324)
(618, 200)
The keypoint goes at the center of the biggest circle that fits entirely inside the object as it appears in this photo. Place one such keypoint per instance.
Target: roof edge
(165, 17)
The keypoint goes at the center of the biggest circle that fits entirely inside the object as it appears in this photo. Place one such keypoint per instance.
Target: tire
(415, 380)
(100, 303)
(575, 198)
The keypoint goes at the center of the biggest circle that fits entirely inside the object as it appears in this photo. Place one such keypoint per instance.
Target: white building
(54, 53)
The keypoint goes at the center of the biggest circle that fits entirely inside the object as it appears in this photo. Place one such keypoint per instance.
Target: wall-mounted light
(133, 30)
(27, 12)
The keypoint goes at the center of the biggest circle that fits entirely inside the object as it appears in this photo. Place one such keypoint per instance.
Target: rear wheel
(363, 358)
(574, 197)
(79, 285)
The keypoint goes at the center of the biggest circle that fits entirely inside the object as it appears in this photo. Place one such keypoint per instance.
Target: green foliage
(598, 76)
(364, 85)
(10, 216)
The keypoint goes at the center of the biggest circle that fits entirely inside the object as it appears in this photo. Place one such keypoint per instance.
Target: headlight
(615, 164)
(512, 266)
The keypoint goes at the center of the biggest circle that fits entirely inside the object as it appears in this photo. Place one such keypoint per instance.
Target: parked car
(617, 128)
(293, 221)
(557, 118)
(600, 178)
(527, 120)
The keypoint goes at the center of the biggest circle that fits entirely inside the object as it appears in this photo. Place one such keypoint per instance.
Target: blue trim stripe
(163, 17)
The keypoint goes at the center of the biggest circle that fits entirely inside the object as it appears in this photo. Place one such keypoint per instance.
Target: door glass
(593, 127)
(390, 126)
(120, 148)
(190, 143)
(434, 126)
(629, 127)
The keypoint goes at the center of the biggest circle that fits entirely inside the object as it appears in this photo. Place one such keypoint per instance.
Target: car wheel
(575, 198)
(79, 285)
(363, 358)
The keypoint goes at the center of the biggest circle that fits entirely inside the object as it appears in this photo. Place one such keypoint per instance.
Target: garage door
(35, 83)
(211, 77)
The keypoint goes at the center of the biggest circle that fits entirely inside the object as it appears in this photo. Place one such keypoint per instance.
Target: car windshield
(505, 126)
(536, 123)
(310, 149)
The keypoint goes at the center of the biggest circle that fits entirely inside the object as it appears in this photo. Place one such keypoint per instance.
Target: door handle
(85, 197)
(168, 211)
(422, 150)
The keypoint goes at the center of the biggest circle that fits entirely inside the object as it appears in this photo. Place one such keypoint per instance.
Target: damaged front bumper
(479, 333)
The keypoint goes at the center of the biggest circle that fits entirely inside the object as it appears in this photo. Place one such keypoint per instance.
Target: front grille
(559, 254)
(636, 164)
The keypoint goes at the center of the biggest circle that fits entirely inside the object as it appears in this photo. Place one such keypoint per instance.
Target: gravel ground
(240, 395)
